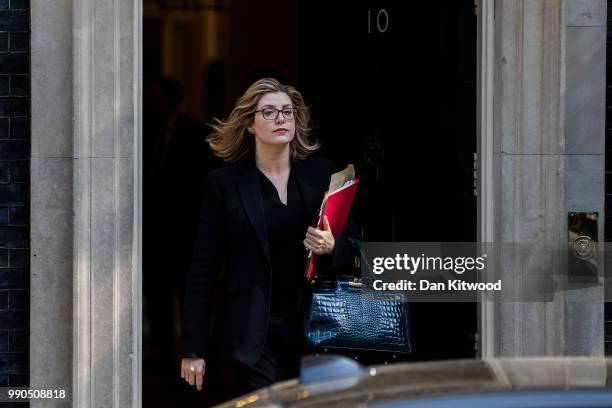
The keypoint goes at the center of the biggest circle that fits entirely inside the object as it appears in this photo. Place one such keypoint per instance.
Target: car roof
(428, 379)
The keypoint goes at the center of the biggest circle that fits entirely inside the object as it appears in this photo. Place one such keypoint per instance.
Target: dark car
(337, 381)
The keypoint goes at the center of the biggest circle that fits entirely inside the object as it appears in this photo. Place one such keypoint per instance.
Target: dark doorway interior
(392, 89)
(392, 86)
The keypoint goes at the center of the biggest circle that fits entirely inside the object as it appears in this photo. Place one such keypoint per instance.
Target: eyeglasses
(272, 113)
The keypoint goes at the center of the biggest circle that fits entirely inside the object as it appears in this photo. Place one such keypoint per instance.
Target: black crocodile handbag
(345, 316)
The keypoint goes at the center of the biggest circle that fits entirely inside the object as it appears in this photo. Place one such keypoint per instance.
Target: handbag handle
(356, 281)
(356, 244)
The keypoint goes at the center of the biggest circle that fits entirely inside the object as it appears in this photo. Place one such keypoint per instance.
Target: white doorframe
(485, 83)
(137, 245)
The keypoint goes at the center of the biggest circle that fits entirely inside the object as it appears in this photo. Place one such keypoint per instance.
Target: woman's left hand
(320, 242)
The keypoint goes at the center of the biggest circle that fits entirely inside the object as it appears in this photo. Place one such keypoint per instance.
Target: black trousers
(280, 360)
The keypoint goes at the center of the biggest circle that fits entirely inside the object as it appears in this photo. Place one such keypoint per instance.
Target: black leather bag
(343, 315)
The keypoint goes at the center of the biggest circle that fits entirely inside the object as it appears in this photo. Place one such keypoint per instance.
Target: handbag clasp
(355, 283)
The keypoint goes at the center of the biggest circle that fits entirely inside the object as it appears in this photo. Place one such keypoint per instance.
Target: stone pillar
(585, 118)
(86, 200)
(106, 255)
(548, 159)
(51, 237)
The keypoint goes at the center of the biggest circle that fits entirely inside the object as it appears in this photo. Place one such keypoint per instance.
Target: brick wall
(14, 191)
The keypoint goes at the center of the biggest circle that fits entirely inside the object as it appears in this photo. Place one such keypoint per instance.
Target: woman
(254, 226)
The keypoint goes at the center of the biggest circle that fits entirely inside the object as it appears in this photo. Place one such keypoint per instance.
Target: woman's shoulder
(220, 176)
(218, 173)
(231, 172)
(230, 169)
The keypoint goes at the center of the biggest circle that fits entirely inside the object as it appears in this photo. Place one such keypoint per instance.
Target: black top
(286, 225)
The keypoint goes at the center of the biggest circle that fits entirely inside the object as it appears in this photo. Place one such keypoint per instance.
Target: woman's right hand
(192, 371)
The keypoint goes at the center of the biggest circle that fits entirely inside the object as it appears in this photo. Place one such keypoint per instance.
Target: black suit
(232, 232)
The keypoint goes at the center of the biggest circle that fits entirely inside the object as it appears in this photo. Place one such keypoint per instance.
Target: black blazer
(232, 236)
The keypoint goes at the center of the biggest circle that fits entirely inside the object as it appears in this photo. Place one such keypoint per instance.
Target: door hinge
(475, 174)
(474, 338)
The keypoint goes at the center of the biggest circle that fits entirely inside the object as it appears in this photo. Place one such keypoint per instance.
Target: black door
(392, 89)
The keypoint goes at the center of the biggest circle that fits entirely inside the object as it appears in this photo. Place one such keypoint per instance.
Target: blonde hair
(230, 139)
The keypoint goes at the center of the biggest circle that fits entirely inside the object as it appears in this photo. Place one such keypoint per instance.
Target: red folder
(336, 207)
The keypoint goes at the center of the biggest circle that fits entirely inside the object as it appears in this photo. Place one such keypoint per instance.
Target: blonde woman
(255, 225)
